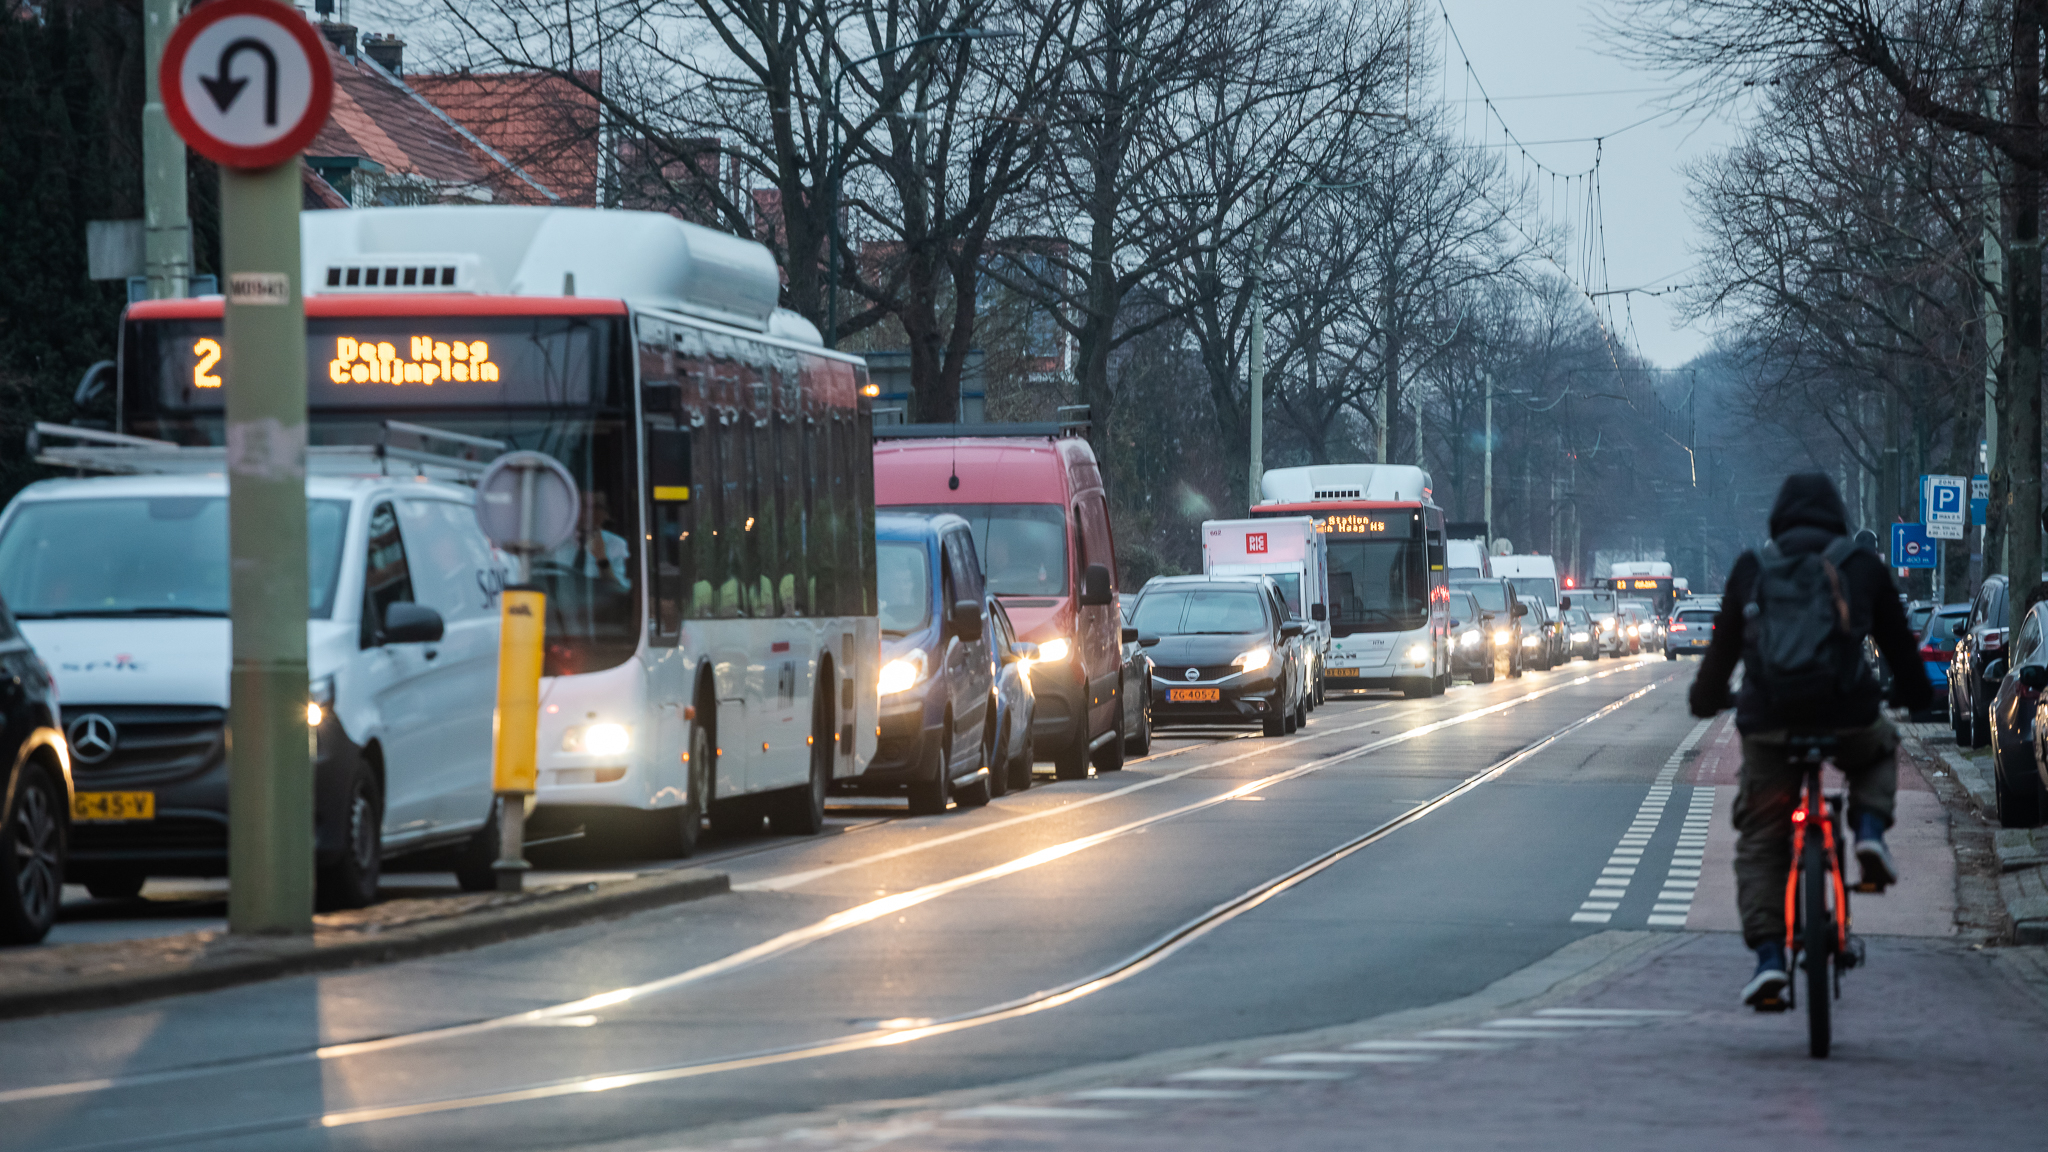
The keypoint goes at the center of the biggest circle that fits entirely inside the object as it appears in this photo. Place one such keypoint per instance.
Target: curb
(229, 961)
(2022, 883)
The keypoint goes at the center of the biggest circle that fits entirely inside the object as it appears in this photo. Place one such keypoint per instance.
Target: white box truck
(1294, 554)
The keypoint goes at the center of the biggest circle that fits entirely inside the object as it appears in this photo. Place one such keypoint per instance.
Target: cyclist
(1808, 518)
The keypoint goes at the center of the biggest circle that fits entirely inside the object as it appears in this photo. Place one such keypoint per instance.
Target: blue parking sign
(1980, 497)
(1910, 546)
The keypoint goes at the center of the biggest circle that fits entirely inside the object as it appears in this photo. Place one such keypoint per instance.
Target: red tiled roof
(544, 124)
(374, 118)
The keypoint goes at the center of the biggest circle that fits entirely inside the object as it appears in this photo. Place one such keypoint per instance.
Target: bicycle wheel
(1817, 946)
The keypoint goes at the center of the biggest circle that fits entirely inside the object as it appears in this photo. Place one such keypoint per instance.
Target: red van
(1035, 503)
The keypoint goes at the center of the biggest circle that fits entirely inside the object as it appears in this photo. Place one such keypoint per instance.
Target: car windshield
(1180, 611)
(1916, 617)
(1290, 591)
(1577, 616)
(903, 587)
(1542, 588)
(1489, 593)
(142, 556)
(1023, 547)
(1463, 608)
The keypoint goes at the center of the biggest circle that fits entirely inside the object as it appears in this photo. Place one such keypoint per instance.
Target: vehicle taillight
(1928, 651)
(1994, 638)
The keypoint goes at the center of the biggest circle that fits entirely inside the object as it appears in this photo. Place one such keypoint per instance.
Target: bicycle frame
(1815, 811)
(1815, 888)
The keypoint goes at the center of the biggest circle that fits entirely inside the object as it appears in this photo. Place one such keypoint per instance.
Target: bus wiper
(91, 613)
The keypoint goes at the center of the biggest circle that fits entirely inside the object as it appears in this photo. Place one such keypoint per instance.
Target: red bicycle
(1817, 939)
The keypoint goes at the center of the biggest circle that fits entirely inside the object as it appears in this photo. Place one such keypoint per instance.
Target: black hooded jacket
(1807, 518)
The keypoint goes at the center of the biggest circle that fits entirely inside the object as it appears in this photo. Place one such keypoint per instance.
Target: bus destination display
(1400, 525)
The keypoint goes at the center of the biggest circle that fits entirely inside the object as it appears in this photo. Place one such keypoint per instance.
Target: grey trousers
(1868, 757)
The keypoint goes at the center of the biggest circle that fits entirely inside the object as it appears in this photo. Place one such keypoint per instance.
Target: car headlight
(1052, 651)
(1253, 660)
(1607, 622)
(1418, 654)
(598, 739)
(314, 714)
(903, 673)
(1581, 637)
(1470, 638)
(1634, 631)
(1501, 636)
(1528, 641)
(319, 698)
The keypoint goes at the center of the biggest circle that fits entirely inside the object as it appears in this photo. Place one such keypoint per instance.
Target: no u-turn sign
(246, 82)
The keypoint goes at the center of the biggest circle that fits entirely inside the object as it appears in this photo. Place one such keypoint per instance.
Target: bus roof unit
(1321, 482)
(646, 258)
(1639, 568)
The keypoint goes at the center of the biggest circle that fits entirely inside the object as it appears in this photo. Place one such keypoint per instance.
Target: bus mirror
(1095, 587)
(967, 620)
(1318, 613)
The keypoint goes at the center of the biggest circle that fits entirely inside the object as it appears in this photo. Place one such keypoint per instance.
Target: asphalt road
(1394, 856)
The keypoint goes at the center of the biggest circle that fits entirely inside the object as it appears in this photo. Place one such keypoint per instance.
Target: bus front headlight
(597, 739)
(1418, 654)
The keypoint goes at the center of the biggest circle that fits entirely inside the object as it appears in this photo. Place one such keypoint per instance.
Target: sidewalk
(2019, 855)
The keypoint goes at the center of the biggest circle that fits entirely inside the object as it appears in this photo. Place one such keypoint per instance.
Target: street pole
(167, 243)
(270, 745)
(1486, 508)
(1258, 380)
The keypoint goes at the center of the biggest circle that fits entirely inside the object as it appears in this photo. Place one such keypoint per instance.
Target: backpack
(1802, 653)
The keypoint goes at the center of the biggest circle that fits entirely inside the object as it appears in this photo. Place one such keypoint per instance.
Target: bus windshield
(1377, 585)
(554, 384)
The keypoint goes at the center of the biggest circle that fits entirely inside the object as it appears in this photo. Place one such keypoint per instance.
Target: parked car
(1041, 526)
(1472, 647)
(1011, 705)
(1917, 613)
(35, 809)
(1981, 639)
(1578, 628)
(1137, 696)
(2020, 791)
(1690, 631)
(1222, 653)
(936, 668)
(1503, 615)
(1937, 635)
(402, 654)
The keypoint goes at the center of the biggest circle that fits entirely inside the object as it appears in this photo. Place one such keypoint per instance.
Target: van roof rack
(119, 454)
(1074, 420)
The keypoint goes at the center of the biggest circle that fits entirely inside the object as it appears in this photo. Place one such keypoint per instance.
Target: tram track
(1150, 955)
(583, 1010)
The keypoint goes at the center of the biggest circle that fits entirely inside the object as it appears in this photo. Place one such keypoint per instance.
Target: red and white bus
(711, 635)
(1389, 592)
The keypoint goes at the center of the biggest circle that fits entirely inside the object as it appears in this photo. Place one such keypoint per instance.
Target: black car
(2020, 790)
(1223, 655)
(1472, 645)
(1502, 614)
(35, 812)
(1981, 638)
(1137, 696)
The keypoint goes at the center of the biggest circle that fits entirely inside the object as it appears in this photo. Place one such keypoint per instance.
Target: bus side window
(669, 506)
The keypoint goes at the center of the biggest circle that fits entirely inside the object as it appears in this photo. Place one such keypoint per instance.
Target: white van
(1296, 556)
(121, 584)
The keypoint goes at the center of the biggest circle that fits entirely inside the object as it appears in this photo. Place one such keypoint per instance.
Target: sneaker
(1765, 991)
(1873, 859)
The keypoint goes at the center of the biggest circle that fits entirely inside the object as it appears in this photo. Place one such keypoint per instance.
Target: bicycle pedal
(1870, 887)
(1780, 1004)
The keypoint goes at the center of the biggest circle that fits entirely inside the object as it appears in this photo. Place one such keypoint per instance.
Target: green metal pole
(167, 243)
(270, 745)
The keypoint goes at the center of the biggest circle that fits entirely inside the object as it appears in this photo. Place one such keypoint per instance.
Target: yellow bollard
(515, 725)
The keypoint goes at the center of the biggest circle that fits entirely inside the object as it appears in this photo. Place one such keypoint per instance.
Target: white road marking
(1488, 1034)
(1565, 1022)
(1162, 1094)
(1649, 1012)
(1349, 1058)
(1224, 1074)
(1030, 1112)
(1591, 917)
(1426, 1046)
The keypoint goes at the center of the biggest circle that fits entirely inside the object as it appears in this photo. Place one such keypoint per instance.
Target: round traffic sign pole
(247, 83)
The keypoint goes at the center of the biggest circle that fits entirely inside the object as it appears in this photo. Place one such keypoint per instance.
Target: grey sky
(1531, 54)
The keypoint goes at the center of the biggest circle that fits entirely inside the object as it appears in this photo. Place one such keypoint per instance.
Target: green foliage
(69, 153)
